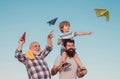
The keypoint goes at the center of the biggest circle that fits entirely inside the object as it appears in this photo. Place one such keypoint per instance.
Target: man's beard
(70, 52)
(36, 52)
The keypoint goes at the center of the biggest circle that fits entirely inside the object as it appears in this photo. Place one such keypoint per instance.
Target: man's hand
(50, 36)
(21, 41)
(49, 39)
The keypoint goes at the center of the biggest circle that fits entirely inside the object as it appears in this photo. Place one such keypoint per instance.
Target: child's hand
(89, 33)
(59, 42)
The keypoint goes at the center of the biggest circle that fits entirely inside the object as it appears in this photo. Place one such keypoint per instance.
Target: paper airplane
(52, 22)
(102, 12)
(23, 37)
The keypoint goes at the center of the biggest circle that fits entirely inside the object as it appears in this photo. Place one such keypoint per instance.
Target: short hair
(32, 44)
(65, 41)
(61, 25)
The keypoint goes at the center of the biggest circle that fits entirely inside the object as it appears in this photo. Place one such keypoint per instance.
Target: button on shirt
(37, 68)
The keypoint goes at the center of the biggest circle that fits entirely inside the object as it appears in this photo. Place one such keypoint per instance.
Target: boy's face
(66, 28)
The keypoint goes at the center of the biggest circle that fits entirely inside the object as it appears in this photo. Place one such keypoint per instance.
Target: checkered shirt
(36, 68)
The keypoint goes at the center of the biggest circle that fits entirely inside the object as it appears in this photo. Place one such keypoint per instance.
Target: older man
(33, 59)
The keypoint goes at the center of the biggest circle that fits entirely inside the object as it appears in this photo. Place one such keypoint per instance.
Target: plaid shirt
(36, 68)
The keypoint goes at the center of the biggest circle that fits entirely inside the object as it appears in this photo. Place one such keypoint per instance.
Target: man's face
(35, 47)
(70, 49)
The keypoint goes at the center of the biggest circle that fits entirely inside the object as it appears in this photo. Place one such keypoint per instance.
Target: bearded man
(71, 72)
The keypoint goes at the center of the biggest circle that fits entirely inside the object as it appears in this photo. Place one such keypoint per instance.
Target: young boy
(67, 34)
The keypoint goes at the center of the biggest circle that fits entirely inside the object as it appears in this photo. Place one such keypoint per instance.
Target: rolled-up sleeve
(46, 51)
(20, 56)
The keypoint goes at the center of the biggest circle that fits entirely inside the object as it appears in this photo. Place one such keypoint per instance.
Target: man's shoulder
(58, 57)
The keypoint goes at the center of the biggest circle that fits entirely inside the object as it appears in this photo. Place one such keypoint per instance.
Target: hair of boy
(62, 24)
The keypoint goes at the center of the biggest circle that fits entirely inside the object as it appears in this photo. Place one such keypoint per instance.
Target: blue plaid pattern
(36, 68)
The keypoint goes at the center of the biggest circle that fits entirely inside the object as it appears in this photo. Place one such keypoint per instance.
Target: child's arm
(83, 33)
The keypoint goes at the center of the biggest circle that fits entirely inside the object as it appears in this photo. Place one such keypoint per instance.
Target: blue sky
(99, 52)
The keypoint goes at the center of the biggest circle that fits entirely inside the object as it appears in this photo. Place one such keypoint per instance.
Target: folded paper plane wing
(23, 37)
(52, 22)
(102, 12)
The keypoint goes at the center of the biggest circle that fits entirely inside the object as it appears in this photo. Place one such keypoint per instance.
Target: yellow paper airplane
(102, 12)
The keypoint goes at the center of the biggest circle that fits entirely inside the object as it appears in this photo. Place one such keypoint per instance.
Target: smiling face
(69, 47)
(35, 48)
(65, 28)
